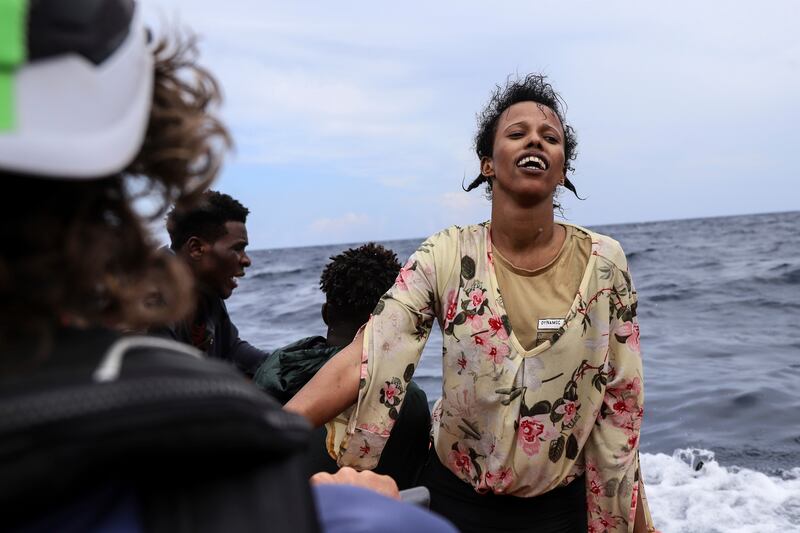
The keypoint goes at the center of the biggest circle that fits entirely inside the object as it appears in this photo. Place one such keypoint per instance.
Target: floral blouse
(510, 420)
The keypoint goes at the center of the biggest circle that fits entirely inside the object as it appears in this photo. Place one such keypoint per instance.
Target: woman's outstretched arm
(333, 388)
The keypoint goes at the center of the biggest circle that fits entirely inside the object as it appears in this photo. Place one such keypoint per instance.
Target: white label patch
(550, 323)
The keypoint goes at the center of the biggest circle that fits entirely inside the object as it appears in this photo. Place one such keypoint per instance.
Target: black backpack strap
(111, 364)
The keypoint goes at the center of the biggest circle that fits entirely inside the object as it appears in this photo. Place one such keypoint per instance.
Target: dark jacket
(218, 337)
(289, 368)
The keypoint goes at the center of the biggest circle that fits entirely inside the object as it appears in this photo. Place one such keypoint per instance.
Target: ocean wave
(690, 492)
(782, 274)
(274, 273)
(678, 295)
(637, 254)
(791, 277)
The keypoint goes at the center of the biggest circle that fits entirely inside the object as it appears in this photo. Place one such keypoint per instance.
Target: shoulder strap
(111, 363)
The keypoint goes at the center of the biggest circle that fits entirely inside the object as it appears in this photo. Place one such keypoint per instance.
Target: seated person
(353, 282)
(211, 238)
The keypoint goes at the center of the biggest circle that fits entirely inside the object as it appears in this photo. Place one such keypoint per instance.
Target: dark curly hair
(531, 88)
(76, 252)
(206, 219)
(354, 280)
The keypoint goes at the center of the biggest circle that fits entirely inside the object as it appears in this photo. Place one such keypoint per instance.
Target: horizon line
(605, 225)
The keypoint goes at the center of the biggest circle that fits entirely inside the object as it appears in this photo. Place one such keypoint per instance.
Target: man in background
(353, 282)
(211, 238)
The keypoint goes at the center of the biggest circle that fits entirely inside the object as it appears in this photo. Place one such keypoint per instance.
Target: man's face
(224, 260)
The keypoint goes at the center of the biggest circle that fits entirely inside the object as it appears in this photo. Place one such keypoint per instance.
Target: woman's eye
(515, 134)
(551, 139)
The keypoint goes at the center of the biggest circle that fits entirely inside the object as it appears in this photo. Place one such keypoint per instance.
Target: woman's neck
(527, 236)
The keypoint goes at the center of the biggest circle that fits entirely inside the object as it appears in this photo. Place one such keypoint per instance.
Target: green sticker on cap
(13, 23)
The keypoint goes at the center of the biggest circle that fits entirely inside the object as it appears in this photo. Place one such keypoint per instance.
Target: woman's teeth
(532, 161)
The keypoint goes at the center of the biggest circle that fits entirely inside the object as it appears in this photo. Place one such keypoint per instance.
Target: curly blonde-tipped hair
(76, 253)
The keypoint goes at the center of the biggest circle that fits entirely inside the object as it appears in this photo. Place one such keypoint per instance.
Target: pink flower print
(480, 339)
(462, 363)
(497, 328)
(476, 321)
(625, 405)
(364, 449)
(477, 297)
(569, 409)
(632, 342)
(376, 429)
(460, 461)
(632, 441)
(595, 487)
(499, 480)
(630, 331)
(604, 522)
(497, 352)
(391, 393)
(405, 276)
(452, 306)
(624, 329)
(531, 430)
(627, 388)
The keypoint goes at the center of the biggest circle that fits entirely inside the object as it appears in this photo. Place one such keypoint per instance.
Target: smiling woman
(533, 90)
(538, 425)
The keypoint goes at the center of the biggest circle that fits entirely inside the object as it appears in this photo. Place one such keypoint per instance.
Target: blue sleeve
(348, 509)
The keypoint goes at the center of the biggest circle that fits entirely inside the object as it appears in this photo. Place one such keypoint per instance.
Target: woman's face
(528, 160)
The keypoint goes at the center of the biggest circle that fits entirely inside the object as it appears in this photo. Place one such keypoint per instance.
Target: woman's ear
(487, 166)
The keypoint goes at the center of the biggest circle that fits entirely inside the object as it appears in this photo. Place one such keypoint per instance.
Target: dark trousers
(562, 510)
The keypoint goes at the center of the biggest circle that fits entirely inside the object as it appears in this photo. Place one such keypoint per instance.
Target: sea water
(719, 307)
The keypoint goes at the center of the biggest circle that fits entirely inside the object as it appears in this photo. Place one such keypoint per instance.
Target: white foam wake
(686, 497)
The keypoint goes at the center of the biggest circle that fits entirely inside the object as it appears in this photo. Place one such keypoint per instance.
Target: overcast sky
(354, 121)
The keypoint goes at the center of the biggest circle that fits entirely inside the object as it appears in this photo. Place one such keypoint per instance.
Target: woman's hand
(369, 480)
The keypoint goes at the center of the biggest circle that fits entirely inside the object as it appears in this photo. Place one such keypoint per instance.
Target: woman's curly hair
(355, 279)
(76, 252)
(531, 88)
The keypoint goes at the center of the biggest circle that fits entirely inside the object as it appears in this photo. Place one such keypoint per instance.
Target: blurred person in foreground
(101, 431)
(353, 283)
(210, 237)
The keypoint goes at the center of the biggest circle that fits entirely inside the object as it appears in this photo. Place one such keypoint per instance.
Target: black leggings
(562, 510)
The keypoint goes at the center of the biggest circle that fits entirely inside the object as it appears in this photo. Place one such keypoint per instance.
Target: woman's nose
(533, 140)
(245, 260)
